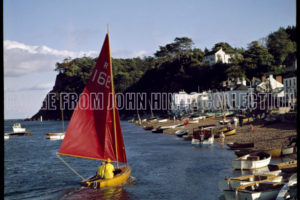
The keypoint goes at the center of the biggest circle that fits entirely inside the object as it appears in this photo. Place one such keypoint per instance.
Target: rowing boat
(288, 167)
(252, 161)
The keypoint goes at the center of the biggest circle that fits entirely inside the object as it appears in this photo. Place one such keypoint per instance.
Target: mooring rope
(70, 167)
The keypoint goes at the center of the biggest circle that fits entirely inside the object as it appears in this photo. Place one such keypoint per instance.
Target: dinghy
(148, 128)
(55, 136)
(181, 133)
(235, 182)
(237, 145)
(252, 161)
(95, 133)
(162, 120)
(230, 132)
(258, 190)
(6, 136)
(288, 167)
(202, 137)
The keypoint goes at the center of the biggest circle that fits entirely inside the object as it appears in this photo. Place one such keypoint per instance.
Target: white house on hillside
(213, 57)
(290, 84)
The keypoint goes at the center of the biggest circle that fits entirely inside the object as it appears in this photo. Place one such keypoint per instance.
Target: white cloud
(21, 59)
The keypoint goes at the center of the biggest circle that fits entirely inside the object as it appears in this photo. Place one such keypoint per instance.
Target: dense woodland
(179, 65)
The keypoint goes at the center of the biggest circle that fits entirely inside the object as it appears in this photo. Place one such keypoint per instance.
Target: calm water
(165, 167)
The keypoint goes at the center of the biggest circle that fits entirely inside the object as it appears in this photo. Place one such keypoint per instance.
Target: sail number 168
(102, 78)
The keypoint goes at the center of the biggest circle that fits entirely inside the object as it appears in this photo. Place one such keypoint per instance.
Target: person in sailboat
(101, 170)
(109, 170)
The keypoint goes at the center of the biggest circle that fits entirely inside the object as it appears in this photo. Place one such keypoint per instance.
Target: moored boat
(230, 132)
(254, 191)
(55, 136)
(171, 126)
(18, 129)
(252, 161)
(202, 137)
(235, 182)
(247, 120)
(237, 145)
(181, 133)
(288, 167)
(162, 120)
(148, 128)
(152, 119)
(6, 137)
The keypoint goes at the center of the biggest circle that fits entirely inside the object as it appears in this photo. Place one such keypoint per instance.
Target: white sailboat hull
(6, 137)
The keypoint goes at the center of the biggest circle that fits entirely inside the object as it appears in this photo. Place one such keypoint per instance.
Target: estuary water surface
(164, 166)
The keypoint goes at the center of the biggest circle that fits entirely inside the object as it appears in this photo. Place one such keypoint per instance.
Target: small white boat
(171, 126)
(18, 129)
(254, 191)
(162, 120)
(181, 133)
(198, 118)
(224, 122)
(55, 136)
(251, 161)
(6, 137)
(287, 151)
(203, 140)
(194, 121)
(235, 182)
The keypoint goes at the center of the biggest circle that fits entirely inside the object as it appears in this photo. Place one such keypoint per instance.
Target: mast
(62, 115)
(151, 110)
(113, 99)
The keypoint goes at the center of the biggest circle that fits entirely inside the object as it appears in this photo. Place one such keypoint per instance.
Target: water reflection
(111, 193)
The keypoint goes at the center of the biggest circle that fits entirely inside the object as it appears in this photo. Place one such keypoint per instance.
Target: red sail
(90, 133)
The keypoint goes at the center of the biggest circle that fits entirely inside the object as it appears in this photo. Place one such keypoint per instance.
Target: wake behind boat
(96, 133)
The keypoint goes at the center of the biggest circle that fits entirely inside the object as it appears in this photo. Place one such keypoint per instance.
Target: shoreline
(268, 137)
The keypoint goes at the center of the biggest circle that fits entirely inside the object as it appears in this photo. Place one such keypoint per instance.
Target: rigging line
(70, 167)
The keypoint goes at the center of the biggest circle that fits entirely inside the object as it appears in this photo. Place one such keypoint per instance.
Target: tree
(180, 46)
(257, 60)
(225, 46)
(280, 45)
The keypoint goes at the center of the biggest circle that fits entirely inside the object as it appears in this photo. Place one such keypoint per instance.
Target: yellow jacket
(100, 171)
(109, 171)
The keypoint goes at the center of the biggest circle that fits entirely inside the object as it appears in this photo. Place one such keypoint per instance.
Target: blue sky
(39, 33)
